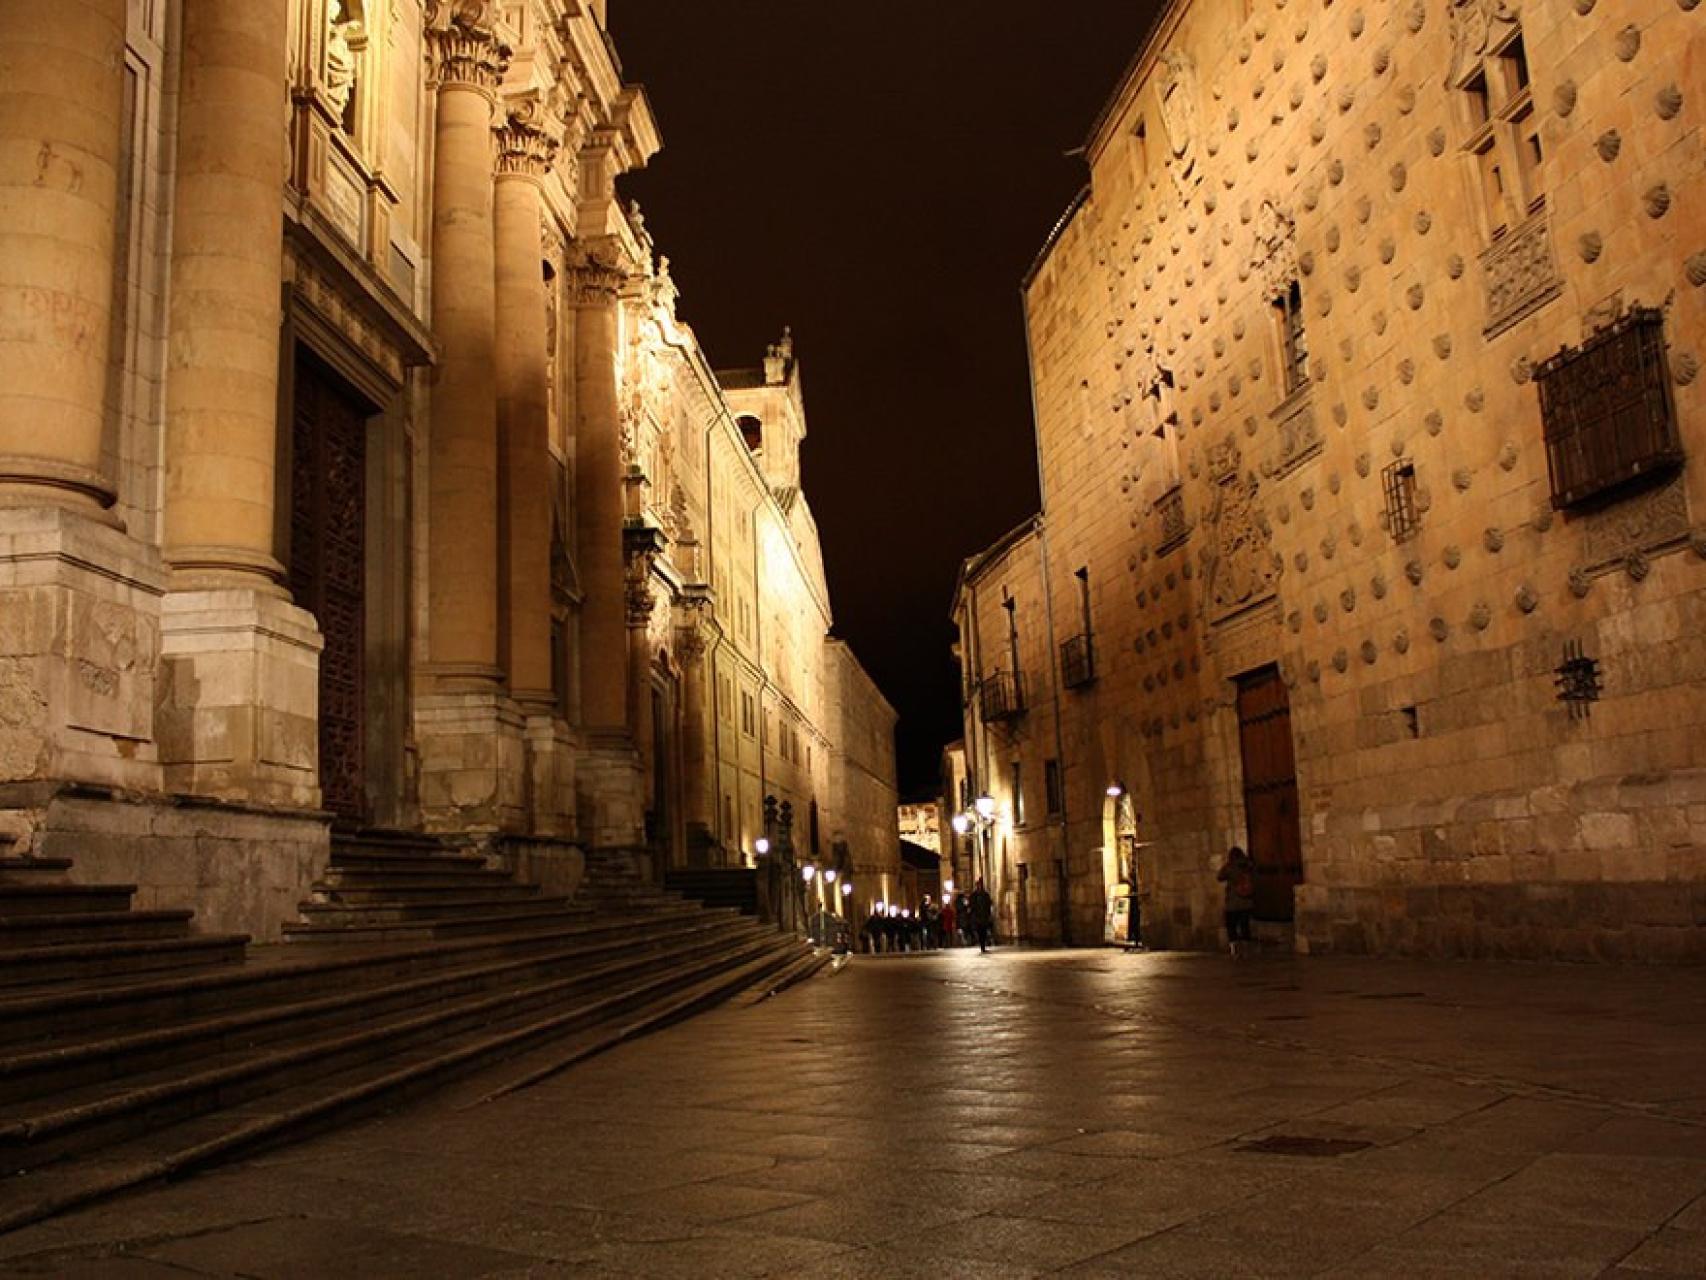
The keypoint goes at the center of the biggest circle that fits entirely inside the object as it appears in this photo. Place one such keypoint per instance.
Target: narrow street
(1083, 1113)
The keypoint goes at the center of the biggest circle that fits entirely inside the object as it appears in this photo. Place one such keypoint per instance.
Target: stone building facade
(356, 468)
(1373, 535)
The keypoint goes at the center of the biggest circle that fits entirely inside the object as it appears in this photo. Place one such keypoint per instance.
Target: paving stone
(1106, 1143)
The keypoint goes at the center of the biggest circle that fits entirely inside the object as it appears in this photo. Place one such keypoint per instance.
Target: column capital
(467, 52)
(596, 271)
(529, 137)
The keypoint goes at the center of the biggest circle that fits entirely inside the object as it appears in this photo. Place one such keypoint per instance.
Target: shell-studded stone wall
(1294, 273)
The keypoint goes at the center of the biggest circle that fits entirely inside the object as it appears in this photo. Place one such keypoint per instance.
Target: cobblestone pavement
(955, 1115)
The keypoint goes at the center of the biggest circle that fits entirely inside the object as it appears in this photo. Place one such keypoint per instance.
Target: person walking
(982, 916)
(949, 923)
(962, 915)
(1238, 874)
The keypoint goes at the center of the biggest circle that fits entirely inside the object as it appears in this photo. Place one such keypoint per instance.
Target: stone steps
(108, 1078)
(734, 887)
(63, 962)
(91, 926)
(274, 1096)
(28, 899)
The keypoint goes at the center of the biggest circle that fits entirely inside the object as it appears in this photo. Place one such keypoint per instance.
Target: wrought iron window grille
(1579, 680)
(1003, 697)
(1078, 661)
(1403, 516)
(1608, 413)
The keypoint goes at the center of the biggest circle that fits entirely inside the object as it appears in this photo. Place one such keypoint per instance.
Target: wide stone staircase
(132, 1049)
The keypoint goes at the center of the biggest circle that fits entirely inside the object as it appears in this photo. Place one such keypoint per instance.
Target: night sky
(879, 174)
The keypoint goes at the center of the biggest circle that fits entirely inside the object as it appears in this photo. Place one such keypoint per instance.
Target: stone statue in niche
(343, 36)
(1176, 89)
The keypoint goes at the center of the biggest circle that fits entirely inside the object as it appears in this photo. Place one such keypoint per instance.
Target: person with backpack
(1238, 873)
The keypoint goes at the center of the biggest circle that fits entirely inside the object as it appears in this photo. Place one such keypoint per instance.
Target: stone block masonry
(1293, 350)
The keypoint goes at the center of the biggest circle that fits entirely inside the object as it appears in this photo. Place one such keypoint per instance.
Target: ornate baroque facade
(1367, 394)
(356, 467)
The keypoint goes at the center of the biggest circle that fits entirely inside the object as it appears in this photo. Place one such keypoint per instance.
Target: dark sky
(879, 174)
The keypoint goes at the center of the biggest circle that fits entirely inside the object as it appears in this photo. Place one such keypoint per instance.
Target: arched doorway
(1122, 921)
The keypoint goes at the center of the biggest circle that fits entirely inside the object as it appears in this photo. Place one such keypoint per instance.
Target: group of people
(956, 921)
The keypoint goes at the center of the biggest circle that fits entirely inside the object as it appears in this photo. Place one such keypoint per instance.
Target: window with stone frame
(1501, 130)
(1294, 339)
(1018, 783)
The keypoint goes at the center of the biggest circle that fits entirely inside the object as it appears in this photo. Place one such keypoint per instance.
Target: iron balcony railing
(1003, 697)
(1078, 661)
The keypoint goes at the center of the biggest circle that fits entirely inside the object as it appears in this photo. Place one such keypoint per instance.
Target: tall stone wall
(1450, 803)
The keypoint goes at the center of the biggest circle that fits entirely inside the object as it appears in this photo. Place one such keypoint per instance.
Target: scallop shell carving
(1318, 68)
(1406, 371)
(1347, 98)
(1424, 222)
(1369, 652)
(1314, 670)
(1382, 60)
(1371, 136)
(1332, 240)
(1627, 44)
(1585, 7)
(1341, 660)
(1388, 250)
(1401, 641)
(1400, 176)
(1378, 586)
(1480, 616)
(1416, 18)
(1365, 208)
(1434, 422)
(1442, 346)
(1461, 479)
(1335, 172)
(1590, 246)
(1452, 557)
(1508, 457)
(1685, 368)
(1413, 296)
(1357, 23)
(1580, 584)
(1413, 571)
(1454, 266)
(1438, 629)
(1609, 144)
(1657, 201)
(1320, 611)
(1526, 598)
(1668, 102)
(1348, 599)
(1436, 142)
(1564, 97)
(1494, 541)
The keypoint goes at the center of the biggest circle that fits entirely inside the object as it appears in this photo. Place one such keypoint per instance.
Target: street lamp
(962, 824)
(1116, 790)
(761, 845)
(985, 805)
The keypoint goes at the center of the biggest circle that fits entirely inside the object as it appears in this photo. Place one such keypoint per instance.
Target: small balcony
(1003, 697)
(1078, 661)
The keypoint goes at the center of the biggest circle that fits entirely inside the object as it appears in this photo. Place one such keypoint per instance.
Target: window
(1502, 130)
(1294, 343)
(725, 699)
(1018, 794)
(747, 713)
(1051, 786)
(1403, 517)
(1608, 413)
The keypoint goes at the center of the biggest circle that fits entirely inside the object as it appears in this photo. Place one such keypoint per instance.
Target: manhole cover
(1285, 1144)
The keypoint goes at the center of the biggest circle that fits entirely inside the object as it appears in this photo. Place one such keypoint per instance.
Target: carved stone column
(59, 157)
(525, 150)
(79, 600)
(698, 723)
(227, 301)
(240, 663)
(527, 144)
(463, 452)
(473, 761)
(610, 783)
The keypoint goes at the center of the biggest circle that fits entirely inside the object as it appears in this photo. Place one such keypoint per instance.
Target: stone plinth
(79, 650)
(239, 698)
(610, 787)
(473, 762)
(243, 870)
(550, 776)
